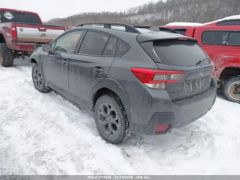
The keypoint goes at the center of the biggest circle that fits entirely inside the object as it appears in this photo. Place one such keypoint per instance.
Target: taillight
(14, 32)
(157, 79)
(162, 128)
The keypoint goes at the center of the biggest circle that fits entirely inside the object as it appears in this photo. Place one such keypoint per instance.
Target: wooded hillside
(160, 13)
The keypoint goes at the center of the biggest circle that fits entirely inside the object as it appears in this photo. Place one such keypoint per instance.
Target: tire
(38, 80)
(111, 119)
(231, 89)
(6, 56)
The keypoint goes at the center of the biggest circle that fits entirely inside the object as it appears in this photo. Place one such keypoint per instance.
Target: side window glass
(122, 48)
(110, 48)
(234, 38)
(68, 42)
(215, 37)
(94, 43)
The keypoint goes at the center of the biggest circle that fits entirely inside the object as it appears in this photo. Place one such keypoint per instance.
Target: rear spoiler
(153, 36)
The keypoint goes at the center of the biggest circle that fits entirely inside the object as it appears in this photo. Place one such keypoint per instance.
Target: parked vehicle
(221, 40)
(20, 32)
(139, 82)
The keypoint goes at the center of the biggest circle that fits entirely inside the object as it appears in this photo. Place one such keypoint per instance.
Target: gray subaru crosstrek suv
(131, 80)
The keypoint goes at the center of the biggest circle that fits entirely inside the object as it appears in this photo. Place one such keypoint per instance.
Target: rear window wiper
(201, 61)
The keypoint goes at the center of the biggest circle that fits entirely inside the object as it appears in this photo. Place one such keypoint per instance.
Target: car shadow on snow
(184, 141)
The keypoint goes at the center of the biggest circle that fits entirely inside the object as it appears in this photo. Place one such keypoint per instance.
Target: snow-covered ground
(45, 134)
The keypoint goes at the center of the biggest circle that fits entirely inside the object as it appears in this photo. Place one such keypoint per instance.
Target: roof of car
(16, 10)
(141, 37)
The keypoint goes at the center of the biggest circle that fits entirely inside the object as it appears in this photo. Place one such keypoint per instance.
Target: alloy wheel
(108, 120)
(37, 78)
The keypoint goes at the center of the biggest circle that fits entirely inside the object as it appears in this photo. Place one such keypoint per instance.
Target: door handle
(98, 69)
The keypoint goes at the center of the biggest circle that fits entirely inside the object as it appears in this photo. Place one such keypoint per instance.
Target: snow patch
(44, 134)
(235, 17)
(183, 24)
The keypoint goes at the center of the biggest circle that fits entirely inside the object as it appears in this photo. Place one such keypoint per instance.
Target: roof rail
(128, 28)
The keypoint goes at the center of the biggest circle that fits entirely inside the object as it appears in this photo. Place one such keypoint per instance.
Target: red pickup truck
(221, 40)
(21, 32)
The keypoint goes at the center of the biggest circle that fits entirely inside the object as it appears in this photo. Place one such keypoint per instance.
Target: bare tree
(160, 13)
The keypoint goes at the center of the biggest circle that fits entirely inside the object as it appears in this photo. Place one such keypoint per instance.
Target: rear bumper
(179, 113)
(190, 110)
(23, 47)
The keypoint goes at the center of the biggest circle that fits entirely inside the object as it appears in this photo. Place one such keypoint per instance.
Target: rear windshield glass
(19, 17)
(180, 53)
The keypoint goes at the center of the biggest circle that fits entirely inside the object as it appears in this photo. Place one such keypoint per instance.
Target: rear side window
(180, 53)
(94, 43)
(234, 38)
(122, 48)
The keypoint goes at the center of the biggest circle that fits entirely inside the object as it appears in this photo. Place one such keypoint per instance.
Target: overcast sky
(49, 9)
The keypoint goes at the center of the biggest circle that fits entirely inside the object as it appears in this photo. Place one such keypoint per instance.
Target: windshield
(19, 17)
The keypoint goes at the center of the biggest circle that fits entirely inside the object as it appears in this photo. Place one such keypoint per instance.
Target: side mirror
(47, 48)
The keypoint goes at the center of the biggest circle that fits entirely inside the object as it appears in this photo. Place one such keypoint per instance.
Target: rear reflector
(157, 78)
(162, 128)
(43, 29)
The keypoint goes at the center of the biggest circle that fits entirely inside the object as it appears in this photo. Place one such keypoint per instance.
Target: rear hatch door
(177, 52)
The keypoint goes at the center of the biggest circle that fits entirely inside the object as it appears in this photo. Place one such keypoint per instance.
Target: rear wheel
(38, 81)
(231, 89)
(111, 119)
(6, 56)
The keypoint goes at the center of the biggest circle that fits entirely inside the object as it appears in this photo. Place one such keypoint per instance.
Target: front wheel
(38, 81)
(111, 119)
(231, 89)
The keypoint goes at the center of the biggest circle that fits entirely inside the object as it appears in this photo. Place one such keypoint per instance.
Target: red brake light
(162, 128)
(157, 78)
(14, 32)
